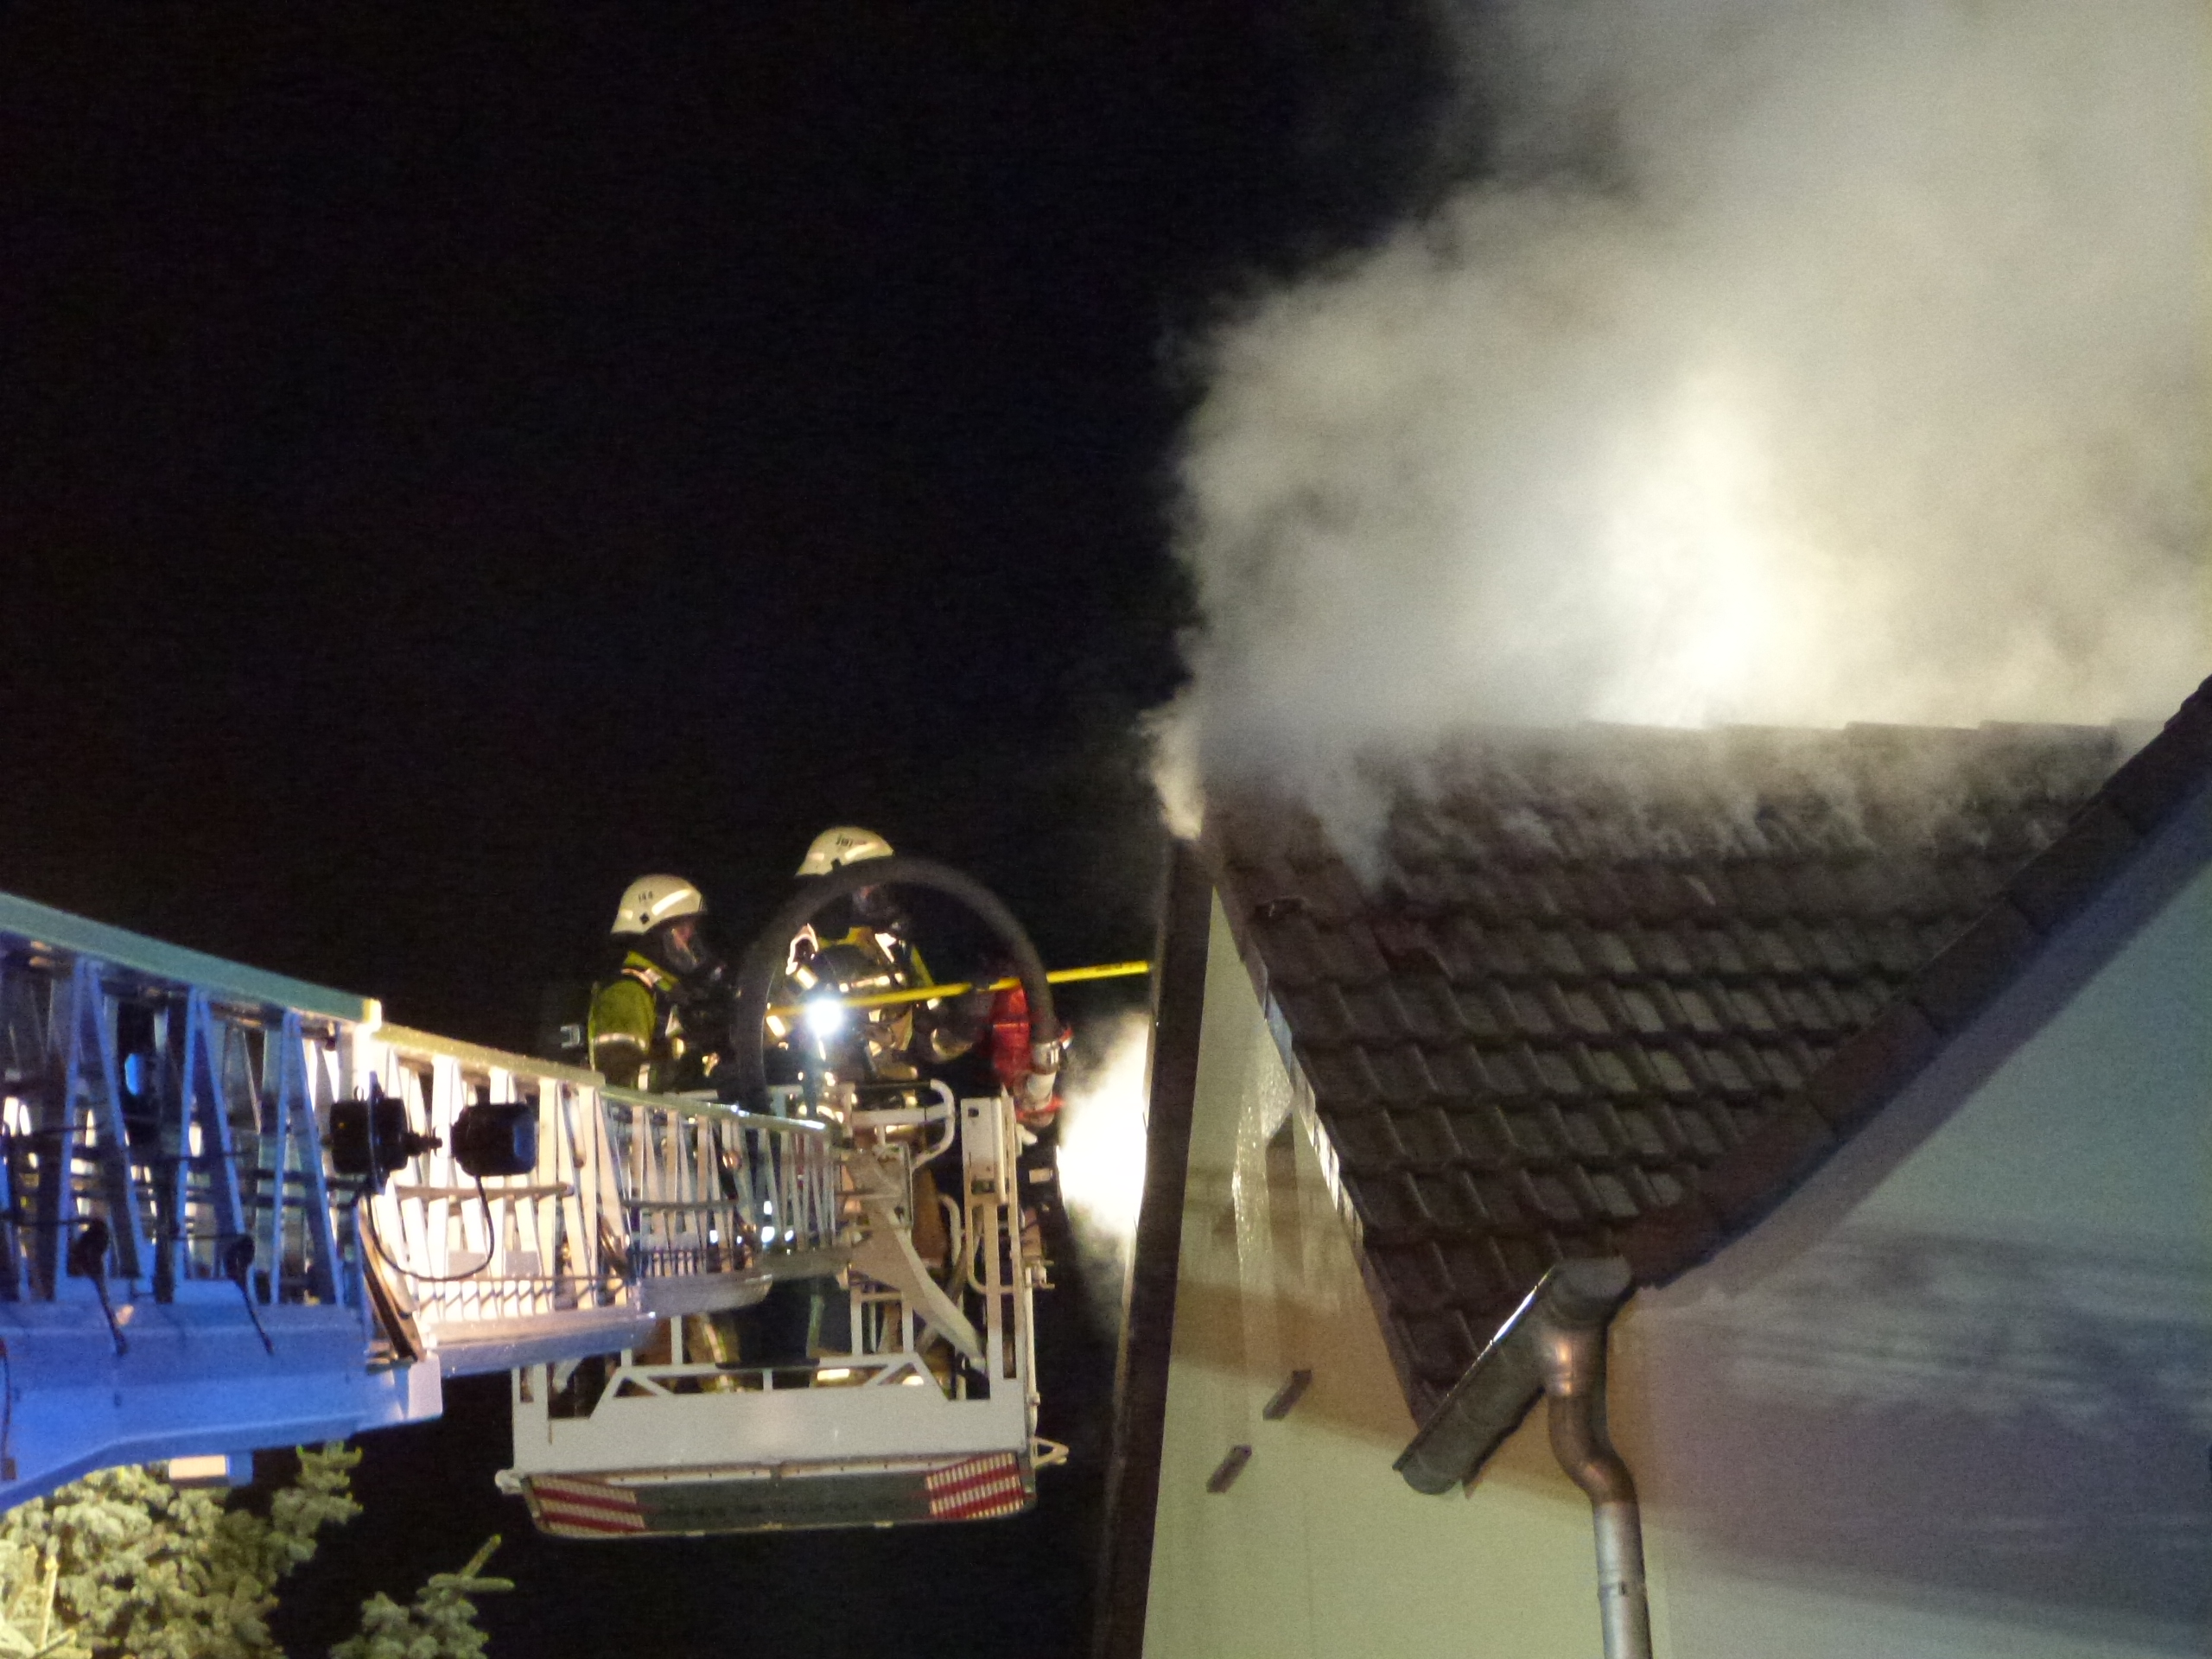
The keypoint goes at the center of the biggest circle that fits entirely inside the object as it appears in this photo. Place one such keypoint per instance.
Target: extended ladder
(184, 1271)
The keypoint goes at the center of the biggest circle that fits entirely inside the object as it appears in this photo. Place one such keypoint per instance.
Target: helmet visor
(676, 945)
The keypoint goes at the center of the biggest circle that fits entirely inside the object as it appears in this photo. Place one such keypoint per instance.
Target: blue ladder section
(183, 1272)
(177, 1276)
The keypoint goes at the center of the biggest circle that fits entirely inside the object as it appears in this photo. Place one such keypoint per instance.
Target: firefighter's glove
(1044, 1072)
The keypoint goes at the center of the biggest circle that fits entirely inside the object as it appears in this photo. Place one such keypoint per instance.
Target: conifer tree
(441, 1624)
(123, 1564)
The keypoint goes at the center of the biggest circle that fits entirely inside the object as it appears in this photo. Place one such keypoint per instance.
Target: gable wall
(1956, 1398)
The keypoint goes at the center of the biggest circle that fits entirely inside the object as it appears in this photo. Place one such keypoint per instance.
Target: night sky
(454, 459)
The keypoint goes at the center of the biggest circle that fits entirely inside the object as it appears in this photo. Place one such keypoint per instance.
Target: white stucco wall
(1950, 1400)
(1961, 1402)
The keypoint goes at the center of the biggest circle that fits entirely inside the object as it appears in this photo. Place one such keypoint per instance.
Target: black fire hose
(764, 959)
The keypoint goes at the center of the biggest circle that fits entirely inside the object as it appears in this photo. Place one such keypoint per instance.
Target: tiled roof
(1619, 989)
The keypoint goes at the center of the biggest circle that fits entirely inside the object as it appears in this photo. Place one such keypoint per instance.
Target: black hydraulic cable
(367, 1221)
(87, 1259)
(764, 958)
(238, 1267)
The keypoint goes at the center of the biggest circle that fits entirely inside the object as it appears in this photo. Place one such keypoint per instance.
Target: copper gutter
(1554, 1345)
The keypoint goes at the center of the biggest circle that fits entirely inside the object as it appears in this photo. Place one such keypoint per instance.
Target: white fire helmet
(653, 899)
(845, 844)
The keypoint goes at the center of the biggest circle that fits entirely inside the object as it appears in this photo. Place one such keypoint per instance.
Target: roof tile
(1292, 946)
(1490, 950)
(1783, 1068)
(1347, 956)
(1421, 1141)
(1480, 1137)
(1527, 1011)
(1811, 1005)
(1577, 1008)
(1386, 1208)
(1640, 1009)
(1456, 1068)
(1556, 1074)
(1750, 1009)
(1315, 1014)
(1414, 1273)
(1441, 1347)
(1497, 1199)
(1600, 897)
(1610, 1070)
(1479, 1015)
(1773, 950)
(1556, 954)
(1607, 952)
(1524, 1256)
(1339, 1076)
(1426, 1010)
(1611, 1194)
(1473, 1270)
(1698, 1133)
(1400, 1075)
(1371, 1013)
(1672, 1071)
(1331, 892)
(1724, 1068)
(1701, 1006)
(1577, 1131)
(1364, 1143)
(1667, 953)
(1641, 1130)
(1437, 1194)
(1550, 1197)
(1527, 1138)
(1508, 1076)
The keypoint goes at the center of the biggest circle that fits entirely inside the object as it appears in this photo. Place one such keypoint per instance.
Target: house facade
(1884, 1062)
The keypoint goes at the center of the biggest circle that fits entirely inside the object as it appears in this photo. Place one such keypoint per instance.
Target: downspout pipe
(1553, 1347)
(1571, 1345)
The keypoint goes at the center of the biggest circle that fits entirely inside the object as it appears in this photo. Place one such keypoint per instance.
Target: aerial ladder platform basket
(922, 1407)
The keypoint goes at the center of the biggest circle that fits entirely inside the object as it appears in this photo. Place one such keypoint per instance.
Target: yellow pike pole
(960, 988)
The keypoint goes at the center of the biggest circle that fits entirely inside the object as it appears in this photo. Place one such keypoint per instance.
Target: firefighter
(866, 950)
(1037, 1162)
(654, 1023)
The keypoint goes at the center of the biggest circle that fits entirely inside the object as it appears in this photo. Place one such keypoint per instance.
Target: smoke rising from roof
(1796, 363)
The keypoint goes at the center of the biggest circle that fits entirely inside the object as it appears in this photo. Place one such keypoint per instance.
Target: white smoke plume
(1799, 361)
(1102, 1155)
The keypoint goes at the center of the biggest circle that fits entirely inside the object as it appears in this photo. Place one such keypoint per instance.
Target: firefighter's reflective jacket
(882, 1045)
(637, 1031)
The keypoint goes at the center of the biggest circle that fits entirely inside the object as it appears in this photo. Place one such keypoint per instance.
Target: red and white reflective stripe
(977, 1490)
(589, 1508)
